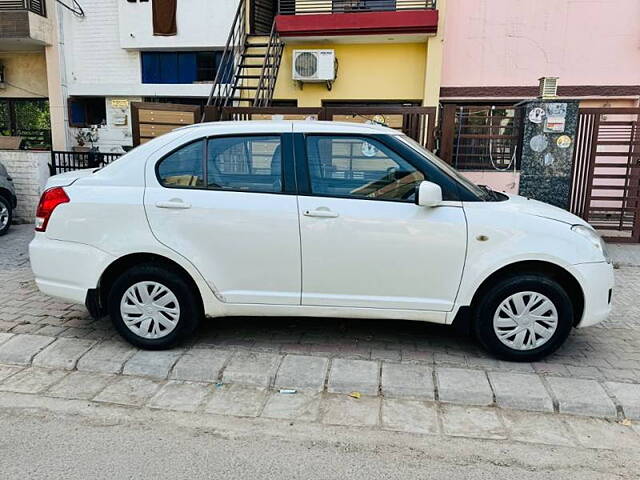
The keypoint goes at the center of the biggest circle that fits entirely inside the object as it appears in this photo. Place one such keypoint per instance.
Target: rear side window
(183, 167)
(252, 164)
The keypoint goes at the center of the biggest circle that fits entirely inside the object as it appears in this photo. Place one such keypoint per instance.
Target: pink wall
(514, 42)
(508, 182)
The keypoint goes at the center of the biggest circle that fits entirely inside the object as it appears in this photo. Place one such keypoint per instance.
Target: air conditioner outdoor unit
(314, 65)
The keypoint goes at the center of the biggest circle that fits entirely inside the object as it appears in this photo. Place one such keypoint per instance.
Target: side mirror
(428, 194)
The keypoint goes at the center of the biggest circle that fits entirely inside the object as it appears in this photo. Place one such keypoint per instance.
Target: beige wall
(26, 74)
(390, 71)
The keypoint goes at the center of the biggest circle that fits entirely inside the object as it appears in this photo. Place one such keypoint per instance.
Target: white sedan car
(313, 219)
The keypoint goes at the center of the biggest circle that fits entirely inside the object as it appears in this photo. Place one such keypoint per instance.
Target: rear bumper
(597, 282)
(66, 270)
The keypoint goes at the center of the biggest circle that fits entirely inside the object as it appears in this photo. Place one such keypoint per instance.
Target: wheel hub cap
(4, 216)
(525, 320)
(150, 310)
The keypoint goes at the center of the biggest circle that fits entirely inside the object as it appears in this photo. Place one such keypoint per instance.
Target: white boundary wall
(29, 170)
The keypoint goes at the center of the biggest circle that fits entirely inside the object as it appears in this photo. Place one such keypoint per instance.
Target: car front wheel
(153, 307)
(524, 318)
(6, 213)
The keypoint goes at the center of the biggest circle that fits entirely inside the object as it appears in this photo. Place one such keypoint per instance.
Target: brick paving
(250, 357)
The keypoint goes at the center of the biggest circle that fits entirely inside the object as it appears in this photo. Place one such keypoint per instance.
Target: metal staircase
(249, 66)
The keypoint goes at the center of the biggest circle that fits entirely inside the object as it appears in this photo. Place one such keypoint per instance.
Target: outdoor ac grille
(314, 65)
(548, 87)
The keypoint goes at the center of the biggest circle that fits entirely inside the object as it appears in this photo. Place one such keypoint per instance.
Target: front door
(223, 203)
(364, 241)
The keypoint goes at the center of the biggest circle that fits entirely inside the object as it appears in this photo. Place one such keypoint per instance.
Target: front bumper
(596, 280)
(66, 270)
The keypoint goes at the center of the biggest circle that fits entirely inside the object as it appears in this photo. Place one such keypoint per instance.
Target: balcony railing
(301, 7)
(35, 6)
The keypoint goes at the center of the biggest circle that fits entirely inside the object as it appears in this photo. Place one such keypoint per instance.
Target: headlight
(593, 237)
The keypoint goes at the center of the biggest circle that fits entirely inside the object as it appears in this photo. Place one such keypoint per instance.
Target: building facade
(27, 47)
(88, 65)
(111, 56)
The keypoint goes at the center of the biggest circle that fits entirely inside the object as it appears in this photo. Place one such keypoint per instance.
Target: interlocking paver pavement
(302, 372)
(182, 396)
(459, 421)
(520, 391)
(581, 397)
(407, 380)
(409, 416)
(239, 400)
(32, 380)
(467, 387)
(294, 352)
(627, 396)
(81, 385)
(348, 376)
(20, 349)
(148, 363)
(201, 365)
(63, 353)
(133, 391)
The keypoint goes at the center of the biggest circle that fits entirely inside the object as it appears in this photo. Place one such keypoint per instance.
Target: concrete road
(61, 439)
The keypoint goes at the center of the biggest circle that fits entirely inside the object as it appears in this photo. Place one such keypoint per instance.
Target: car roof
(303, 126)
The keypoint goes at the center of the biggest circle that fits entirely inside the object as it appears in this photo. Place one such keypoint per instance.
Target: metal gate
(415, 122)
(150, 120)
(482, 137)
(606, 172)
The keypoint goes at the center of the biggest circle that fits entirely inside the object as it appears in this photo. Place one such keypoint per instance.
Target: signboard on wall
(555, 118)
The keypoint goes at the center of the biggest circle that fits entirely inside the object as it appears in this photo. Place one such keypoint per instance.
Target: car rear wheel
(524, 318)
(6, 214)
(153, 307)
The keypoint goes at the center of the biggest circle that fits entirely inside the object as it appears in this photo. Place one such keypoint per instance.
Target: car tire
(523, 318)
(165, 303)
(5, 219)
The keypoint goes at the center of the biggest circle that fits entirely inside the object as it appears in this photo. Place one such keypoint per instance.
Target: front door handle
(173, 203)
(320, 212)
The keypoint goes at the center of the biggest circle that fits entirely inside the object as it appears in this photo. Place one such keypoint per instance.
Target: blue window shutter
(78, 113)
(187, 67)
(169, 67)
(151, 67)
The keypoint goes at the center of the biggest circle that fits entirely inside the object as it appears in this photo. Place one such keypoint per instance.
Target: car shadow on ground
(366, 338)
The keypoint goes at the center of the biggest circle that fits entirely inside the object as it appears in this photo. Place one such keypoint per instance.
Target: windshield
(483, 193)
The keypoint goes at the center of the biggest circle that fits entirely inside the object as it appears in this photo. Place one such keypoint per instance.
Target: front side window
(183, 167)
(359, 167)
(251, 164)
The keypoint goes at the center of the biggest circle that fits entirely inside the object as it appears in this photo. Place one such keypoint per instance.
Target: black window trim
(287, 165)
(304, 176)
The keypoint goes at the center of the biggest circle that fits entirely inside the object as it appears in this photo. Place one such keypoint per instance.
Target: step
(257, 55)
(255, 65)
(257, 77)
(257, 45)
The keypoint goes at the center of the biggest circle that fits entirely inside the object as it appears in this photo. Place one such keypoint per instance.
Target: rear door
(365, 243)
(226, 204)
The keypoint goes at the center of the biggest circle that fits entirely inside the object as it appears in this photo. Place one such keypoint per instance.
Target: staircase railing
(225, 83)
(270, 68)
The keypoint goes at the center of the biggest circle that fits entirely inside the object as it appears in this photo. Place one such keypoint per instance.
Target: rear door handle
(176, 204)
(320, 212)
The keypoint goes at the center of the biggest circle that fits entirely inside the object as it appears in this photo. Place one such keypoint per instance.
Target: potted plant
(85, 136)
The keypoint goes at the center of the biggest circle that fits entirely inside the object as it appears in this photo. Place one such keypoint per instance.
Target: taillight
(49, 200)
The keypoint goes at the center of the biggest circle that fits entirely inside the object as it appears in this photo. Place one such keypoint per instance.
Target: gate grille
(606, 172)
